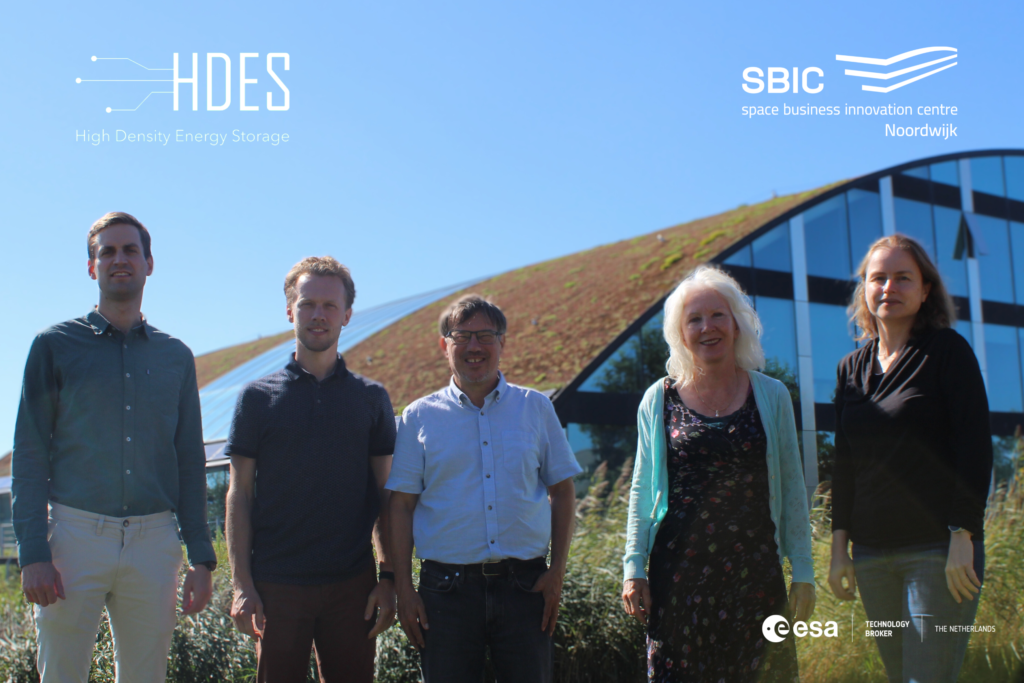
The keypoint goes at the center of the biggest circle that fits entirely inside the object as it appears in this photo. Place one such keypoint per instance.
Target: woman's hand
(961, 579)
(801, 600)
(636, 598)
(841, 567)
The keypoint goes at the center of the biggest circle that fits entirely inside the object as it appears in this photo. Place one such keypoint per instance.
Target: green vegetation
(713, 236)
(672, 259)
(570, 284)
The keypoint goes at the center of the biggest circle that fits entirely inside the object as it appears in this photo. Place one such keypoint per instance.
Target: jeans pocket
(526, 579)
(437, 580)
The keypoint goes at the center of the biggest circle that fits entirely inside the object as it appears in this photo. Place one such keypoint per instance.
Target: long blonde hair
(938, 310)
(749, 354)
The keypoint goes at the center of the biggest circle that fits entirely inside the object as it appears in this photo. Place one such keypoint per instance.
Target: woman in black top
(913, 464)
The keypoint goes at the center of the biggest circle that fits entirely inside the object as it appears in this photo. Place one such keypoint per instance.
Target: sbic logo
(779, 82)
(242, 81)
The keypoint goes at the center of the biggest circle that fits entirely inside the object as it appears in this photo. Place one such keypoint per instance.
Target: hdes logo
(275, 62)
(776, 627)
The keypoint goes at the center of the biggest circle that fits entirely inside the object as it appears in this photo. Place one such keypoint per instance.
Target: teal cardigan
(787, 499)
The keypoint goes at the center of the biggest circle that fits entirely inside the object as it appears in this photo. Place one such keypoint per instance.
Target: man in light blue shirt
(481, 480)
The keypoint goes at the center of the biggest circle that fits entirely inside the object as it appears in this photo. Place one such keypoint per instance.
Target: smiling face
(119, 266)
(893, 286)
(319, 311)
(709, 328)
(474, 365)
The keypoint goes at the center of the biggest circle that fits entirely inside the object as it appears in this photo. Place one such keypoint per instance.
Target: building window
(987, 175)
(772, 250)
(996, 274)
(826, 455)
(830, 342)
(827, 239)
(914, 219)
(1001, 351)
(964, 328)
(947, 172)
(779, 341)
(600, 447)
(865, 210)
(740, 258)
(1014, 167)
(635, 365)
(917, 172)
(953, 269)
(216, 495)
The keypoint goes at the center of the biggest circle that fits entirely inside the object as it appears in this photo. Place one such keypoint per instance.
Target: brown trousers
(327, 617)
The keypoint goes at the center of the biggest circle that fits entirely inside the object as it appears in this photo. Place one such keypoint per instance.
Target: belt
(499, 568)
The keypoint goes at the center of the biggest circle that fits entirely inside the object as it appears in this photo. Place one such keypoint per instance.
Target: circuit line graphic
(130, 80)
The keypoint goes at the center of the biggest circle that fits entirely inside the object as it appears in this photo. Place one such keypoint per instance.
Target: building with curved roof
(586, 328)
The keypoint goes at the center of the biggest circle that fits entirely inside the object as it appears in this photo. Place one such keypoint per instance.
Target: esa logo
(775, 628)
(778, 80)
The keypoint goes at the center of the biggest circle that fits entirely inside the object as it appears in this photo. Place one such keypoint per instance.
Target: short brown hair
(938, 310)
(319, 265)
(118, 218)
(465, 308)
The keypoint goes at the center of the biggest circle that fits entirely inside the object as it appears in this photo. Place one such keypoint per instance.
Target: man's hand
(550, 585)
(801, 600)
(247, 611)
(636, 598)
(382, 597)
(412, 613)
(961, 579)
(197, 590)
(40, 581)
(841, 567)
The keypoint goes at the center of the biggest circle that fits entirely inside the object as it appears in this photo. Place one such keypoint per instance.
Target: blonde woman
(913, 462)
(718, 498)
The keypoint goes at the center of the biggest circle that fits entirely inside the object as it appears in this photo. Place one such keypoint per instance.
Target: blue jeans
(908, 584)
(469, 614)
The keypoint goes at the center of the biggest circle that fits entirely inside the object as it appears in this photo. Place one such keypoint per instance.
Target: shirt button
(492, 541)
(125, 507)
(127, 407)
(127, 471)
(488, 476)
(128, 438)
(485, 443)
(481, 412)
(488, 507)
(126, 346)
(127, 374)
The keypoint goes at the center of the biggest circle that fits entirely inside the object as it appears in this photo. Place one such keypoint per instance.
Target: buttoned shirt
(109, 423)
(481, 473)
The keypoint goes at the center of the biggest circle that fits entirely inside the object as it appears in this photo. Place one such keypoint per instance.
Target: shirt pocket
(520, 457)
(163, 389)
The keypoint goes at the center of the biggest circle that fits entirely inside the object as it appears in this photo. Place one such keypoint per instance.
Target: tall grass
(594, 640)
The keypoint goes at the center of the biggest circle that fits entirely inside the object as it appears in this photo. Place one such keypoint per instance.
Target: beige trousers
(128, 564)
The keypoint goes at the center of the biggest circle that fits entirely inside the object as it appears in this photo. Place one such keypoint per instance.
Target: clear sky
(430, 143)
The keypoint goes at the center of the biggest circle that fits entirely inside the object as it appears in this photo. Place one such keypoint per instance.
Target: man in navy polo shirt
(310, 449)
(483, 479)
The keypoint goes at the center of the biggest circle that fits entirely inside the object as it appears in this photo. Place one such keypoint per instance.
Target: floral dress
(714, 569)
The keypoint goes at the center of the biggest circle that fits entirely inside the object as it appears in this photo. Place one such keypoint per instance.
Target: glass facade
(837, 232)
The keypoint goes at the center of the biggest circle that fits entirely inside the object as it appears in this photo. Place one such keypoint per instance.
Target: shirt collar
(296, 371)
(101, 325)
(460, 397)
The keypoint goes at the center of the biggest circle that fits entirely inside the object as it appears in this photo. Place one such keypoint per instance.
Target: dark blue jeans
(470, 614)
(908, 585)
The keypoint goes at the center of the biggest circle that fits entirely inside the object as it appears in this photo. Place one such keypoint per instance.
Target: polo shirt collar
(460, 397)
(101, 325)
(296, 371)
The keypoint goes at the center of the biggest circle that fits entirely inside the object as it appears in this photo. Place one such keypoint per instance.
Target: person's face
(119, 266)
(709, 328)
(893, 286)
(319, 311)
(474, 363)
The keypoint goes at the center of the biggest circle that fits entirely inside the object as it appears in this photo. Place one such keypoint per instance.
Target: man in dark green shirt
(108, 450)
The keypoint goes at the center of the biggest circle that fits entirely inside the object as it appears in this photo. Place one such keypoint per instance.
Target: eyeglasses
(462, 337)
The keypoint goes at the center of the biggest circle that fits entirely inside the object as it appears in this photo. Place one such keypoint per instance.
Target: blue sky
(435, 142)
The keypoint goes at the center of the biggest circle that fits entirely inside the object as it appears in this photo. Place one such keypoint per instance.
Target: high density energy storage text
(159, 137)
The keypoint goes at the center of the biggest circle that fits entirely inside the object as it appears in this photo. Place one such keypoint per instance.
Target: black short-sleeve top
(913, 445)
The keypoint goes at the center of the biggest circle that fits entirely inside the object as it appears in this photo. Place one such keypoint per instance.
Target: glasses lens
(461, 337)
(485, 337)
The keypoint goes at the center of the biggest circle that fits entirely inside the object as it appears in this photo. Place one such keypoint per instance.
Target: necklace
(707, 405)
